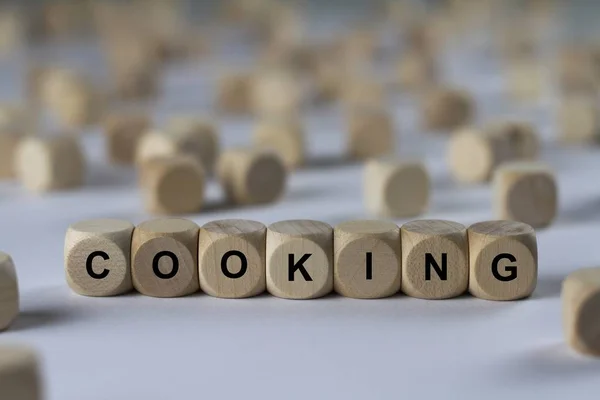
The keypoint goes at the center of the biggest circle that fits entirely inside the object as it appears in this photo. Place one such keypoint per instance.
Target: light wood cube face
(234, 94)
(371, 134)
(386, 184)
(196, 137)
(9, 292)
(123, 132)
(525, 80)
(581, 307)
(447, 109)
(52, 163)
(435, 261)
(231, 258)
(173, 185)
(252, 176)
(19, 374)
(97, 257)
(367, 259)
(578, 120)
(284, 136)
(164, 255)
(299, 259)
(502, 260)
(526, 192)
(8, 144)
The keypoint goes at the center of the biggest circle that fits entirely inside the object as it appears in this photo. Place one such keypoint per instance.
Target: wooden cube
(435, 259)
(371, 134)
(578, 71)
(49, 163)
(252, 175)
(20, 373)
(474, 154)
(525, 79)
(385, 183)
(197, 137)
(164, 257)
(14, 124)
(362, 92)
(276, 94)
(173, 185)
(182, 136)
(447, 109)
(502, 260)
(526, 192)
(231, 258)
(366, 259)
(521, 136)
(234, 93)
(416, 71)
(123, 131)
(285, 136)
(9, 292)
(299, 259)
(579, 120)
(98, 257)
(580, 308)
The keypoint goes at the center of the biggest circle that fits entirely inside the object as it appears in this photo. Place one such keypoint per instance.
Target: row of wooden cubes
(302, 259)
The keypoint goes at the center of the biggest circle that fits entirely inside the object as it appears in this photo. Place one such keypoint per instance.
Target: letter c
(90, 270)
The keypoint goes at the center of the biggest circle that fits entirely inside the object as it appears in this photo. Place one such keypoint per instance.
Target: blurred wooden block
(366, 259)
(299, 259)
(123, 132)
(579, 119)
(172, 185)
(522, 138)
(20, 373)
(98, 257)
(164, 258)
(525, 192)
(371, 134)
(14, 126)
(50, 163)
(384, 188)
(502, 260)
(9, 292)
(525, 79)
(360, 92)
(435, 259)
(72, 97)
(188, 136)
(252, 175)
(234, 93)
(231, 258)
(578, 72)
(416, 72)
(285, 136)
(277, 93)
(474, 154)
(447, 109)
(12, 30)
(580, 308)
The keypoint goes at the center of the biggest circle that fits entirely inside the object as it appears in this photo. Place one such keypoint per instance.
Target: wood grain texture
(123, 132)
(285, 136)
(172, 185)
(104, 245)
(301, 250)
(579, 119)
(385, 183)
(371, 134)
(20, 374)
(252, 175)
(580, 298)
(435, 260)
(366, 259)
(446, 109)
(239, 247)
(9, 292)
(502, 260)
(50, 163)
(157, 247)
(526, 192)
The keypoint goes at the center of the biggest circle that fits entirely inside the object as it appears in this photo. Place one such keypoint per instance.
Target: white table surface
(135, 347)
